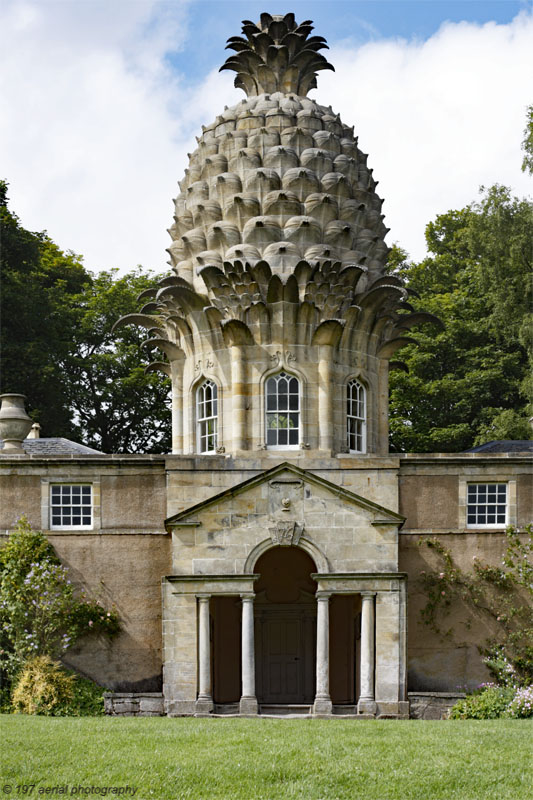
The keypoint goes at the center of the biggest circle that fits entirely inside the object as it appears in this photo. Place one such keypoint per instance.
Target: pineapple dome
(278, 262)
(277, 177)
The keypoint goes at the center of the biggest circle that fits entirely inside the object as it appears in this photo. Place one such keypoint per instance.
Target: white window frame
(357, 420)
(70, 486)
(481, 499)
(271, 412)
(203, 420)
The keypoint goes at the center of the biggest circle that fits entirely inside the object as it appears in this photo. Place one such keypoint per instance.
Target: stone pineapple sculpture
(278, 253)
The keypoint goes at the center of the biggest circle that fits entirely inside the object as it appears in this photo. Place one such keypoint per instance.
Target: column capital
(368, 594)
(247, 597)
(203, 597)
(323, 595)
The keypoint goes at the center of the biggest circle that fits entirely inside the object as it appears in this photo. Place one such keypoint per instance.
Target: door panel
(283, 667)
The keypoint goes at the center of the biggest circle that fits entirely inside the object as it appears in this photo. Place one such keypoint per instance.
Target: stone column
(204, 703)
(177, 407)
(367, 702)
(382, 421)
(322, 704)
(238, 392)
(248, 703)
(325, 405)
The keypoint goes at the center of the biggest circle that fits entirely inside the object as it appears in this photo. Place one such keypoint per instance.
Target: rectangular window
(486, 505)
(71, 506)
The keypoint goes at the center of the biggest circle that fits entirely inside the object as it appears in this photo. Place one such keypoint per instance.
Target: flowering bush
(490, 701)
(522, 703)
(487, 702)
(40, 613)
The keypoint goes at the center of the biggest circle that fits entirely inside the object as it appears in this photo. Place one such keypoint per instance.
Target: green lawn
(269, 759)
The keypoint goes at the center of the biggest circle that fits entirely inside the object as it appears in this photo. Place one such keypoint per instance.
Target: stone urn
(15, 424)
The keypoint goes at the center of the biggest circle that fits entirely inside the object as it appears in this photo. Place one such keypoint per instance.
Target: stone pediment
(285, 507)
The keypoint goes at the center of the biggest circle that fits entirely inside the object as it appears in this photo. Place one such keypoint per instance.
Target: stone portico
(351, 547)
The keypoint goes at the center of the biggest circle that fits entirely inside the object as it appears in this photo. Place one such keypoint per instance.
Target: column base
(322, 706)
(367, 706)
(248, 706)
(203, 707)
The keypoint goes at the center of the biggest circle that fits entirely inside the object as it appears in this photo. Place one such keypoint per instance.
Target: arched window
(207, 417)
(282, 404)
(356, 417)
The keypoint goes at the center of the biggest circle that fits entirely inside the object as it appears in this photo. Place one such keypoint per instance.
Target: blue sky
(354, 21)
(101, 102)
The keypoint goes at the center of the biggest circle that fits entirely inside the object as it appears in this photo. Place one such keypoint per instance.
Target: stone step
(280, 709)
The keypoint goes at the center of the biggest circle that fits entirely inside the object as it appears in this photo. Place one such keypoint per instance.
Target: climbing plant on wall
(500, 596)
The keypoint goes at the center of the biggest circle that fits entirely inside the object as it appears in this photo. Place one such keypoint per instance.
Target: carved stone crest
(277, 357)
(286, 533)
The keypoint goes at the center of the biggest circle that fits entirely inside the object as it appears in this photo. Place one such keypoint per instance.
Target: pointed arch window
(356, 417)
(207, 417)
(282, 405)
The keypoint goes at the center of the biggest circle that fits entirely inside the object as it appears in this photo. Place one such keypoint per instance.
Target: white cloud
(95, 126)
(91, 140)
(438, 118)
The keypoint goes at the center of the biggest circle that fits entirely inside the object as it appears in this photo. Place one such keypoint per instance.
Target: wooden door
(283, 660)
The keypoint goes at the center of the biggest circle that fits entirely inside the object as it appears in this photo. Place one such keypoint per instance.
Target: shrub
(42, 687)
(40, 613)
(522, 703)
(45, 687)
(488, 702)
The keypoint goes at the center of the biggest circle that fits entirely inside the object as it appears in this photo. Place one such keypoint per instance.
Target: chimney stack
(35, 432)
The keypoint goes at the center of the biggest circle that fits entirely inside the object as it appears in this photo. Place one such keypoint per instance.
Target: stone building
(269, 563)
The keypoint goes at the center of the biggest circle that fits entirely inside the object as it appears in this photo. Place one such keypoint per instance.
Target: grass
(178, 759)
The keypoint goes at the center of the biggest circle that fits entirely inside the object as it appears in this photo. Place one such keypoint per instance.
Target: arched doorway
(285, 627)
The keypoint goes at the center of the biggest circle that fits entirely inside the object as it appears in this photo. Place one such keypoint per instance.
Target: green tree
(38, 318)
(117, 406)
(527, 143)
(469, 383)
(81, 381)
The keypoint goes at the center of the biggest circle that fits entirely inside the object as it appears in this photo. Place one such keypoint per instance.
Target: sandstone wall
(120, 562)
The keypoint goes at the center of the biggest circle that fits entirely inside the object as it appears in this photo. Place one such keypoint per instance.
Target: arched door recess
(285, 627)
